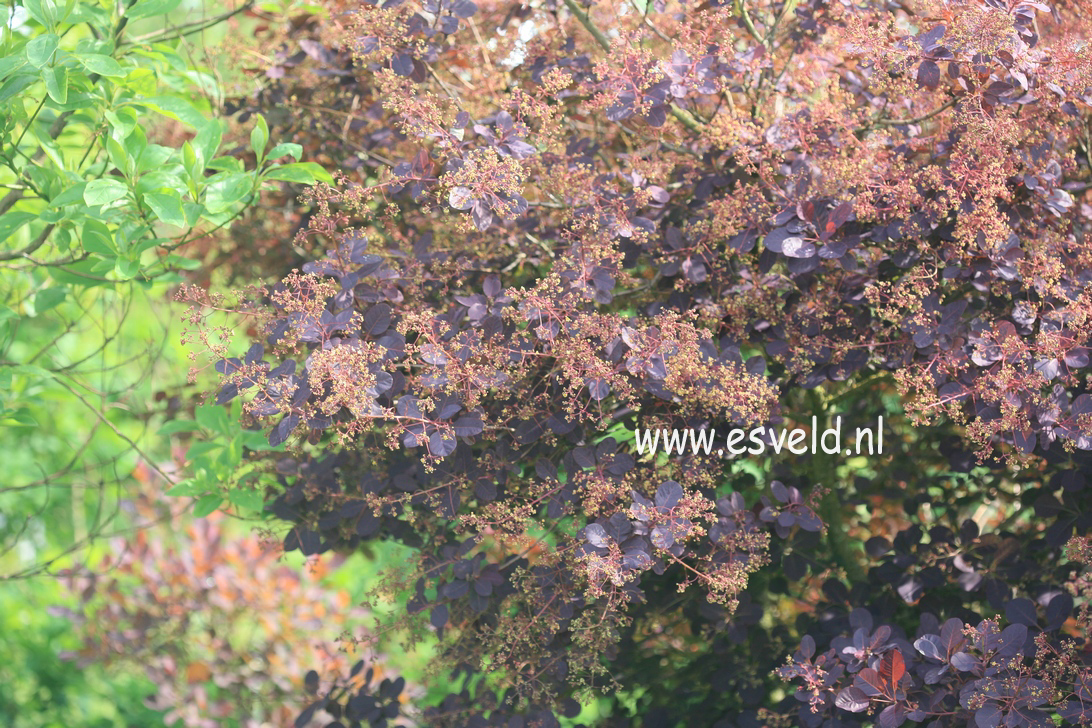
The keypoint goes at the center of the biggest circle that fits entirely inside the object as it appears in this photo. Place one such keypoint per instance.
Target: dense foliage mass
(557, 224)
(111, 165)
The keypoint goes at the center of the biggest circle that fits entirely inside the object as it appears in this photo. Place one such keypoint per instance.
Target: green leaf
(148, 8)
(301, 173)
(123, 236)
(62, 237)
(141, 82)
(178, 261)
(39, 50)
(190, 160)
(32, 372)
(122, 122)
(47, 298)
(135, 144)
(101, 64)
(290, 148)
(17, 84)
(69, 196)
(146, 244)
(213, 417)
(198, 453)
(82, 273)
(226, 189)
(85, 13)
(258, 441)
(259, 137)
(227, 164)
(188, 488)
(246, 498)
(167, 206)
(207, 141)
(126, 268)
(97, 238)
(12, 221)
(69, 6)
(194, 211)
(9, 64)
(56, 83)
(42, 11)
(175, 426)
(154, 157)
(179, 109)
(119, 157)
(51, 216)
(104, 191)
(206, 505)
(20, 417)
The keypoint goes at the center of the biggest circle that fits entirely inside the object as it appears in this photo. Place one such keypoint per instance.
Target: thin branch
(749, 24)
(685, 117)
(901, 122)
(916, 119)
(34, 245)
(113, 428)
(644, 18)
(189, 28)
(586, 21)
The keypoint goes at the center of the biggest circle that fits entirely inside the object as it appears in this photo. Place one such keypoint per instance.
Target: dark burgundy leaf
(929, 75)
(852, 699)
(438, 617)
(668, 494)
(1021, 611)
(964, 662)
(402, 64)
(377, 319)
(284, 428)
(598, 388)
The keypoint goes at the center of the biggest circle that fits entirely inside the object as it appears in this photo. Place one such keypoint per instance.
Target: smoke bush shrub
(668, 215)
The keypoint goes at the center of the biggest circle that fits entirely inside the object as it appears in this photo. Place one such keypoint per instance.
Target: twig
(685, 117)
(644, 18)
(582, 16)
(190, 28)
(149, 460)
(916, 119)
(902, 122)
(749, 24)
(37, 243)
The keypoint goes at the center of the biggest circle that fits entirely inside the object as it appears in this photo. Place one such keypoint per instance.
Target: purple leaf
(598, 388)
(662, 537)
(852, 699)
(988, 716)
(596, 535)
(668, 494)
(402, 64)
(460, 198)
(378, 319)
(797, 248)
(929, 75)
(464, 8)
(483, 218)
(1021, 611)
(963, 662)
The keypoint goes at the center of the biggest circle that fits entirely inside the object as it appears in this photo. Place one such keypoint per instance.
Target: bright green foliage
(110, 163)
(217, 467)
(112, 160)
